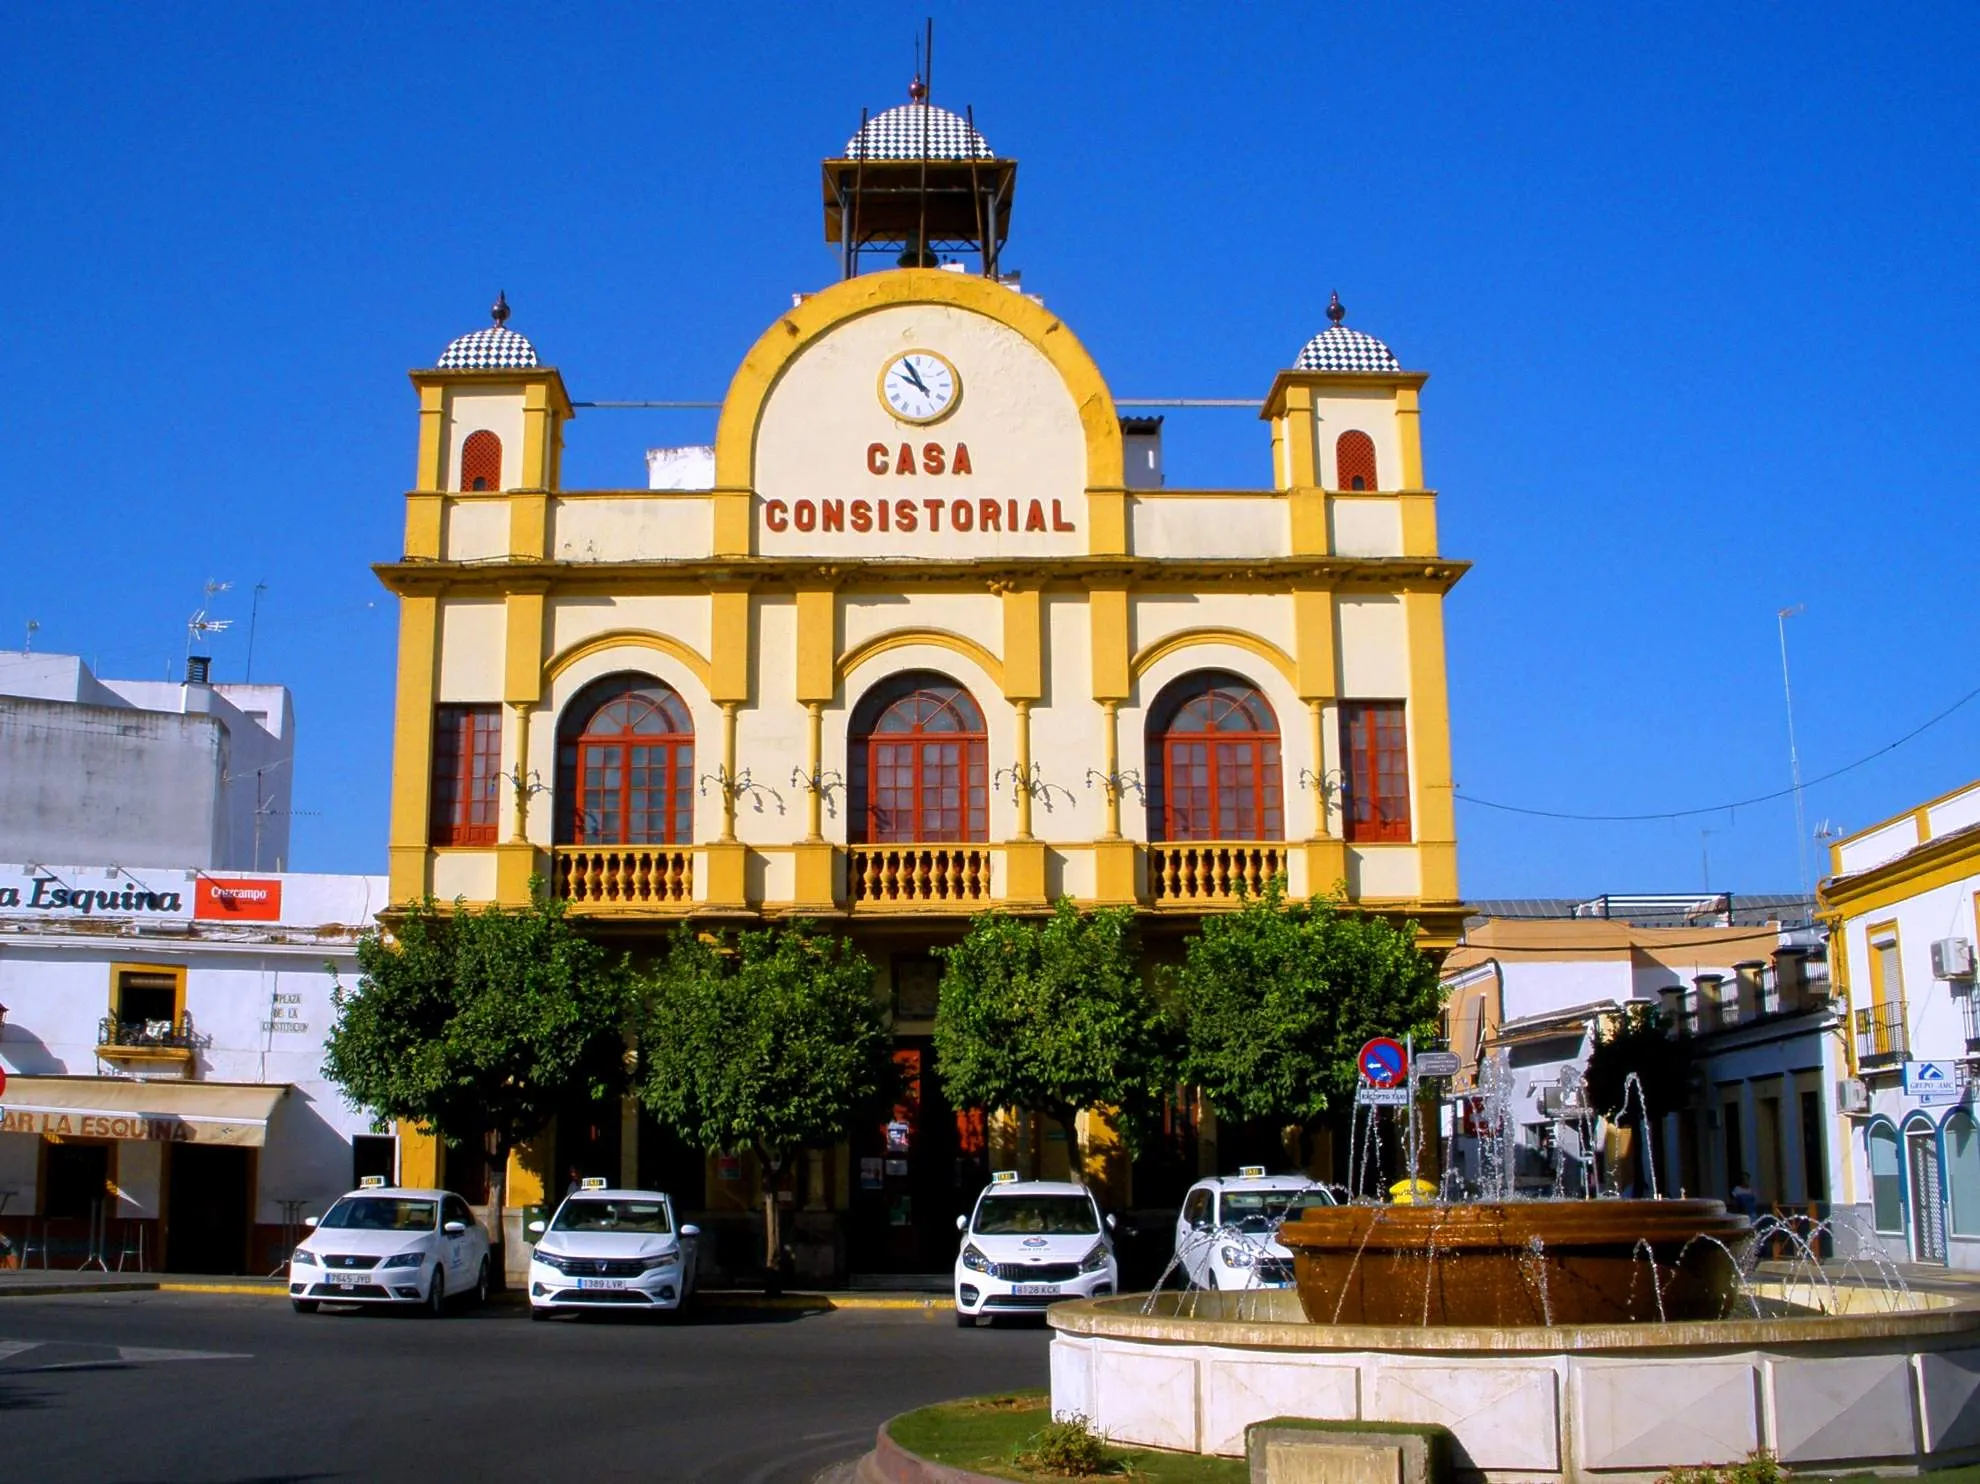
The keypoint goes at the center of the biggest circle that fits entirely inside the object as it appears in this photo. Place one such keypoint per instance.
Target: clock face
(919, 386)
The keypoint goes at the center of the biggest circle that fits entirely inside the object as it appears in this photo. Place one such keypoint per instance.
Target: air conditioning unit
(1952, 958)
(1853, 1093)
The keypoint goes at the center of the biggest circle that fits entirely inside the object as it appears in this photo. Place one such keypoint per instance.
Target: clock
(919, 386)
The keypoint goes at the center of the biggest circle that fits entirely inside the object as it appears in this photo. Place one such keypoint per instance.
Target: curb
(51, 1290)
(817, 1302)
(266, 1290)
(890, 1463)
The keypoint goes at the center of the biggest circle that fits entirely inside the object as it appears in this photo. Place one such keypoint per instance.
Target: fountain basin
(1515, 1262)
(1882, 1380)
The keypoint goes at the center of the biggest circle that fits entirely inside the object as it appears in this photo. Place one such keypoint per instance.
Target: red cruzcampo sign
(238, 901)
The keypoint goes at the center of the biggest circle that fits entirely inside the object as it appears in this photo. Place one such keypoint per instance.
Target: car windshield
(579, 1215)
(1036, 1215)
(1261, 1210)
(381, 1213)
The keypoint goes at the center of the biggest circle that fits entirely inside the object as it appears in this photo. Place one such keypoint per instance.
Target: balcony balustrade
(882, 876)
(1210, 874)
(624, 878)
(1880, 1033)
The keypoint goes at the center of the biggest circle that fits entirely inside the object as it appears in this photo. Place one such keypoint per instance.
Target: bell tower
(916, 182)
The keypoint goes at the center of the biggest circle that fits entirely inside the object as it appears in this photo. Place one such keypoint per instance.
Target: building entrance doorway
(207, 1191)
(1928, 1203)
(913, 1173)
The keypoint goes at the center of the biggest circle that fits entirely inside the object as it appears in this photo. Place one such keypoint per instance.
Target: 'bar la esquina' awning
(155, 1112)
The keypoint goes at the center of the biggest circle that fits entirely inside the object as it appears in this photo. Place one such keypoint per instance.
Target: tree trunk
(773, 1243)
(498, 1191)
(1068, 1120)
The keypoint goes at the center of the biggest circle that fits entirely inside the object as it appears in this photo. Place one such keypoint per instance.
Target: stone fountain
(1559, 1341)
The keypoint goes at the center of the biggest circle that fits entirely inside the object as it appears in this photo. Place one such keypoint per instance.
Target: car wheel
(481, 1283)
(965, 1321)
(541, 1312)
(436, 1296)
(303, 1306)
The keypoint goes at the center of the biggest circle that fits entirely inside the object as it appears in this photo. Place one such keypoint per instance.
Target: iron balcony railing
(114, 1030)
(1881, 1034)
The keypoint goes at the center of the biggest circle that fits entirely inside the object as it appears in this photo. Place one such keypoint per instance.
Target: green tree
(767, 1041)
(1637, 1042)
(1277, 998)
(1053, 1016)
(478, 1026)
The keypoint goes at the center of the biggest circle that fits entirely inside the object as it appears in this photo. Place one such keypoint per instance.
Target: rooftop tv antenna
(200, 625)
(33, 628)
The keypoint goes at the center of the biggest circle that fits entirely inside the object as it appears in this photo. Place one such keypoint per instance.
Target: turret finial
(1336, 311)
(917, 90)
(500, 313)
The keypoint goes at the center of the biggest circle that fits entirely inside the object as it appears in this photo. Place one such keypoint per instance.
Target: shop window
(1963, 1173)
(481, 461)
(919, 759)
(1354, 461)
(1375, 745)
(1213, 768)
(625, 765)
(75, 1179)
(1886, 1179)
(467, 768)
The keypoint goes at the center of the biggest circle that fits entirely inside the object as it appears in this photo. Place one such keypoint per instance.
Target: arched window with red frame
(918, 757)
(1213, 762)
(481, 461)
(625, 765)
(1354, 461)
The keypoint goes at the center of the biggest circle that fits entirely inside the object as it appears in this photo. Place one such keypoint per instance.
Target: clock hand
(907, 370)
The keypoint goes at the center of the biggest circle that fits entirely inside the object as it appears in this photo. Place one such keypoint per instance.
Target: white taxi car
(385, 1244)
(1028, 1244)
(1227, 1233)
(610, 1249)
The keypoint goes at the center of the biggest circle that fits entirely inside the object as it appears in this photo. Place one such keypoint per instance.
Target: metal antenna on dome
(500, 312)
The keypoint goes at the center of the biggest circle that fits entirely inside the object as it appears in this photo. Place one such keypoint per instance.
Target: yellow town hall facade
(931, 639)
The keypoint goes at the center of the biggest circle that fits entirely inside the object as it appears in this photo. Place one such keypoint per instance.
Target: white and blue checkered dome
(918, 131)
(492, 349)
(1337, 348)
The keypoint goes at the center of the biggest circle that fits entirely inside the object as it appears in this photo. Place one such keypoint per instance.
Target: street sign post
(1383, 1062)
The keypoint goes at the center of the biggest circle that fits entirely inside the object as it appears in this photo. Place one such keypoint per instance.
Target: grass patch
(988, 1433)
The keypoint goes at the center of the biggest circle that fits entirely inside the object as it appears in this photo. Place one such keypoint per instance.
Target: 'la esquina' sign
(48, 894)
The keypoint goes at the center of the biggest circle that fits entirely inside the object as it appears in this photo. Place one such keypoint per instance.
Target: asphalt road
(198, 1389)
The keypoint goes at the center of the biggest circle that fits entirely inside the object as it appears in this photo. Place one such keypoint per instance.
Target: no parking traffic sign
(1383, 1062)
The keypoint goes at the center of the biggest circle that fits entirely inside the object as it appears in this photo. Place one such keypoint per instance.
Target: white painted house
(1903, 901)
(163, 1045)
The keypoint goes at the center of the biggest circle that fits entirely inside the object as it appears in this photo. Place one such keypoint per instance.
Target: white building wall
(258, 997)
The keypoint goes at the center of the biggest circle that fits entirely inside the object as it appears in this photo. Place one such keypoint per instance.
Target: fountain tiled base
(1867, 1386)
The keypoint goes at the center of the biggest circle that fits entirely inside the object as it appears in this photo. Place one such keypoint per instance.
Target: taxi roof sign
(1004, 1177)
(592, 1182)
(1251, 1172)
(372, 1182)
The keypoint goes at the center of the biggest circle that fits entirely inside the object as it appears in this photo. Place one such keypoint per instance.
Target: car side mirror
(311, 1221)
(962, 1223)
(1110, 1222)
(535, 1228)
(690, 1231)
(454, 1228)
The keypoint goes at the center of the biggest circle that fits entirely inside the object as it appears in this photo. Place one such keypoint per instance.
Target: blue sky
(1695, 285)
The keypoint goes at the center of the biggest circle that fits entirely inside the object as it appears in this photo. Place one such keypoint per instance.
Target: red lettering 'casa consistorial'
(932, 458)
